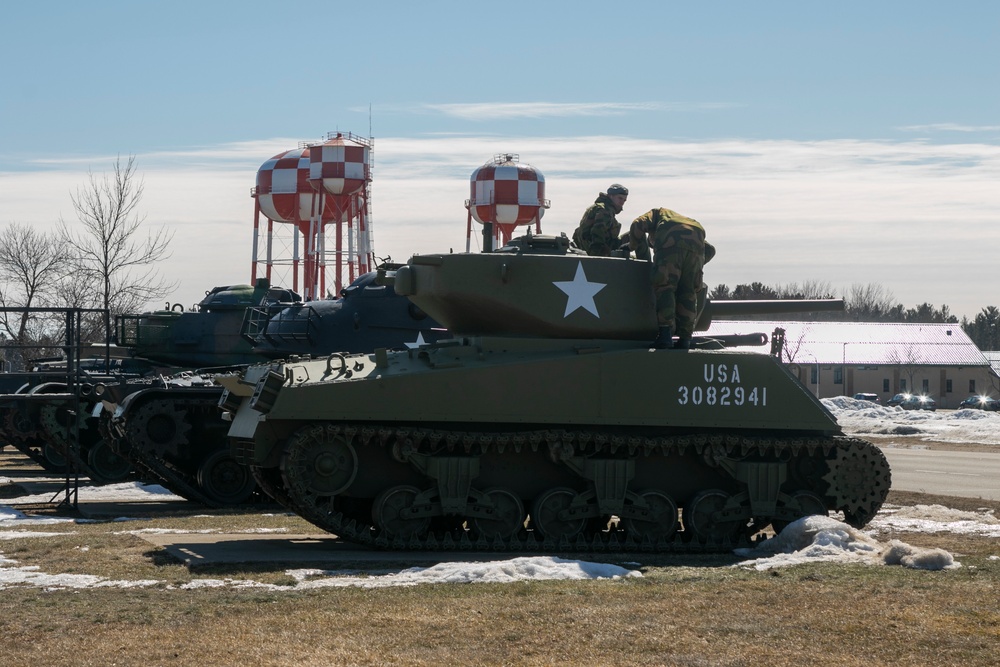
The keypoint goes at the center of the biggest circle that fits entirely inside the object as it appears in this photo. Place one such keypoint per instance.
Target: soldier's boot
(664, 339)
(683, 343)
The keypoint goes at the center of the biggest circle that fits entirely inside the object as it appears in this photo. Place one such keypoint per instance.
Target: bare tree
(32, 266)
(111, 253)
(870, 303)
(908, 358)
(809, 289)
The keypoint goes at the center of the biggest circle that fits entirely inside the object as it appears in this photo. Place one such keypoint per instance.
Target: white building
(844, 358)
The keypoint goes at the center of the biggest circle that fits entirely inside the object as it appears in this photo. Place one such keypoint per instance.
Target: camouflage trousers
(677, 277)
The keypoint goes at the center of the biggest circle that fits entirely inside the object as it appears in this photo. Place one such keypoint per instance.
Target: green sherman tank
(548, 423)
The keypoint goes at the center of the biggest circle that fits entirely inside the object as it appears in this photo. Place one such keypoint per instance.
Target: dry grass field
(690, 610)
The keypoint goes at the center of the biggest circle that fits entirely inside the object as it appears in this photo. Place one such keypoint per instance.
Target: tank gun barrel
(777, 306)
(738, 308)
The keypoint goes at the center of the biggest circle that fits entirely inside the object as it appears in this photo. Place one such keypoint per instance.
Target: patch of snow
(123, 492)
(535, 568)
(20, 534)
(10, 516)
(935, 519)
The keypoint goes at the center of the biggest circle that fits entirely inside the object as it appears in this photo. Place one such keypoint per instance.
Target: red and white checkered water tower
(506, 195)
(309, 188)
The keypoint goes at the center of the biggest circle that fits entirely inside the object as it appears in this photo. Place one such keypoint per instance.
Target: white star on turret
(420, 341)
(580, 292)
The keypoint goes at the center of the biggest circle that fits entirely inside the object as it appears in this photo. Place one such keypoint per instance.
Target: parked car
(896, 400)
(980, 403)
(913, 402)
(866, 397)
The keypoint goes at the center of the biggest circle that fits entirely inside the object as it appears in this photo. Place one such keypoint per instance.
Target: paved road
(946, 473)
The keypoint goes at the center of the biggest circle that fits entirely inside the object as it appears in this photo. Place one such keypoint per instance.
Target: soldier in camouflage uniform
(598, 230)
(679, 254)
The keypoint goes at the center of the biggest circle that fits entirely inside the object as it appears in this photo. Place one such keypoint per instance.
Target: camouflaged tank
(549, 423)
(211, 334)
(171, 428)
(167, 426)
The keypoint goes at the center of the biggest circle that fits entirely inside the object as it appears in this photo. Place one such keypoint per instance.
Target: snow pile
(814, 539)
(935, 519)
(956, 426)
(535, 568)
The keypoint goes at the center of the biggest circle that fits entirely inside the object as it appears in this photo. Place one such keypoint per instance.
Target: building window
(885, 386)
(972, 386)
(902, 384)
(947, 386)
(812, 375)
(838, 375)
(925, 386)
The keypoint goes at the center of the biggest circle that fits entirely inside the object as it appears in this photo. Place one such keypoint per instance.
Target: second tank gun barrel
(759, 307)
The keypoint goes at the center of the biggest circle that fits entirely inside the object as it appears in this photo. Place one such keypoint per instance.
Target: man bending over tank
(679, 255)
(598, 230)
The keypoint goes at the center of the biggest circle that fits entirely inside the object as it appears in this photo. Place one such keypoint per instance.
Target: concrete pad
(113, 509)
(196, 549)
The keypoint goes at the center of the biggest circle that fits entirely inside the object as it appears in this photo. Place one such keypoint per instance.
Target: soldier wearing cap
(598, 230)
(679, 255)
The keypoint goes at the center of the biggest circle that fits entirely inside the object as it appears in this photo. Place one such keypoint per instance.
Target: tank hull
(545, 444)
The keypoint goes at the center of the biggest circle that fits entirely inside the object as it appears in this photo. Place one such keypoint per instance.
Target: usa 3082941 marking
(730, 393)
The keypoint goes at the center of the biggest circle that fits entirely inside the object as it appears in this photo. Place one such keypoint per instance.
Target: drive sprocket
(858, 480)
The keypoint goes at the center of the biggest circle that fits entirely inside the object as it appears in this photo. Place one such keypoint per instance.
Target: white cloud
(498, 110)
(844, 211)
(949, 127)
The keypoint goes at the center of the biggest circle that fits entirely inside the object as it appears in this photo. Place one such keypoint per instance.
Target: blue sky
(850, 142)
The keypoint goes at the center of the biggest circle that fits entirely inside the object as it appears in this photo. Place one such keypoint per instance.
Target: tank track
(26, 436)
(58, 434)
(852, 476)
(147, 456)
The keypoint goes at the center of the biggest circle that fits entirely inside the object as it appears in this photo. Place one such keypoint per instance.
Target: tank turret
(538, 286)
(548, 423)
(368, 315)
(208, 335)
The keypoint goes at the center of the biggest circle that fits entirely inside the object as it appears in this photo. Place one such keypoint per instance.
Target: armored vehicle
(368, 315)
(172, 429)
(167, 426)
(210, 334)
(38, 411)
(548, 422)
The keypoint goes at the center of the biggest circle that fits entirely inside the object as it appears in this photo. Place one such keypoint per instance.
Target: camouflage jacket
(654, 228)
(598, 230)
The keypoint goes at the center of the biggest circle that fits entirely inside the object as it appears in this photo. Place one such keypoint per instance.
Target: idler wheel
(106, 464)
(662, 521)
(699, 519)
(545, 516)
(319, 461)
(508, 515)
(224, 480)
(809, 504)
(54, 458)
(389, 512)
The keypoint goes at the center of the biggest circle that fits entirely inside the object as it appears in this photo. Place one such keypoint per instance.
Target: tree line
(868, 303)
(102, 260)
